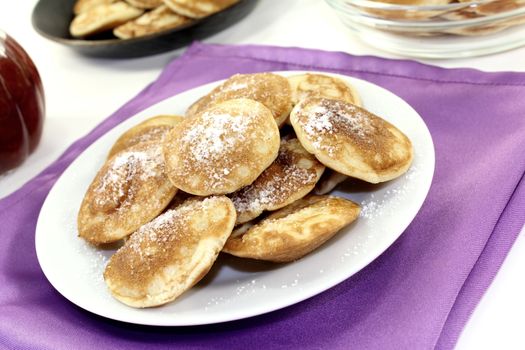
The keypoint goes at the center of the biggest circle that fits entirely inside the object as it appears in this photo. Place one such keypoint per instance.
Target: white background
(82, 91)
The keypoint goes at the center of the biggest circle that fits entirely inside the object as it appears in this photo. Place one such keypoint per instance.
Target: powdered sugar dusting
(210, 141)
(137, 163)
(166, 227)
(331, 117)
(282, 179)
(212, 138)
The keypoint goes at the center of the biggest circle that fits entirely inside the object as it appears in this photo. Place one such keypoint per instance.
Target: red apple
(21, 104)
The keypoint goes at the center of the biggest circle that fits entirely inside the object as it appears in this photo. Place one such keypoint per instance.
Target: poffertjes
(127, 192)
(351, 140)
(152, 129)
(167, 256)
(291, 176)
(321, 85)
(151, 22)
(101, 18)
(327, 86)
(145, 4)
(221, 149)
(270, 89)
(293, 231)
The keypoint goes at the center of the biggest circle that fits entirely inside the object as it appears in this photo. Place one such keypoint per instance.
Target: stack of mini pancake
(136, 18)
(471, 11)
(245, 172)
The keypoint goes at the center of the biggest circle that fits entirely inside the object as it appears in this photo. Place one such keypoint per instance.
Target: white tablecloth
(81, 91)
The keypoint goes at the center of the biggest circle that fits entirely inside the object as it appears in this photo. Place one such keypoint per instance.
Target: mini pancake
(329, 181)
(145, 4)
(291, 176)
(152, 129)
(222, 149)
(293, 231)
(320, 85)
(496, 6)
(418, 14)
(128, 191)
(151, 22)
(351, 140)
(162, 18)
(198, 8)
(84, 5)
(169, 255)
(103, 17)
(270, 89)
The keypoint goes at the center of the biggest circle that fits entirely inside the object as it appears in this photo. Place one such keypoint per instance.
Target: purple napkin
(417, 295)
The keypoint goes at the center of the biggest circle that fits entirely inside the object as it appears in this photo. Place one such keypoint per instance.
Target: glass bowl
(437, 29)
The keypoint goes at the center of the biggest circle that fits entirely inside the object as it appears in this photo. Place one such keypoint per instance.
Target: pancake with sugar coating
(162, 18)
(291, 176)
(198, 8)
(270, 89)
(169, 255)
(145, 4)
(222, 149)
(84, 5)
(152, 129)
(320, 85)
(293, 231)
(103, 17)
(128, 191)
(351, 140)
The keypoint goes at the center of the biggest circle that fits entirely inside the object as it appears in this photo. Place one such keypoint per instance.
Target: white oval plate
(235, 288)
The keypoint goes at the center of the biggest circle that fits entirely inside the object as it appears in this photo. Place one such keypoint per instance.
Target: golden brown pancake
(419, 14)
(151, 22)
(198, 8)
(320, 85)
(222, 149)
(291, 176)
(127, 192)
(496, 6)
(152, 129)
(167, 256)
(351, 140)
(101, 18)
(145, 4)
(293, 231)
(270, 89)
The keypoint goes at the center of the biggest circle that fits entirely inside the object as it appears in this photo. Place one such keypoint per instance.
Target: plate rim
(333, 281)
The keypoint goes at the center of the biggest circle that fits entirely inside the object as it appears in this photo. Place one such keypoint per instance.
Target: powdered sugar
(334, 118)
(217, 134)
(283, 179)
(164, 228)
(274, 191)
(138, 163)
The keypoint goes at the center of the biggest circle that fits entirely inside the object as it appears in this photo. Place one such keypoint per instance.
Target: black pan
(51, 18)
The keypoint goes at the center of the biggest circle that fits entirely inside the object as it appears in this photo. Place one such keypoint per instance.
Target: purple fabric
(417, 295)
